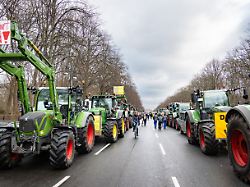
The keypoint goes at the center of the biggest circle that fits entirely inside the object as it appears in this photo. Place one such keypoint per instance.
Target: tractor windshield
(44, 95)
(212, 99)
(102, 102)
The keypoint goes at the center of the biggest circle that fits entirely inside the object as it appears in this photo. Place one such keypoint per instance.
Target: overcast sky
(166, 42)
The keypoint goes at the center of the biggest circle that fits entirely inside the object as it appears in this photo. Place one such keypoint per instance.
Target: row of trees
(69, 34)
(230, 73)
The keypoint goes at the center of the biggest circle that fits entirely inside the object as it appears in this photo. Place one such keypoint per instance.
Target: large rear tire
(238, 138)
(172, 123)
(111, 132)
(121, 128)
(86, 137)
(7, 158)
(62, 150)
(208, 144)
(190, 132)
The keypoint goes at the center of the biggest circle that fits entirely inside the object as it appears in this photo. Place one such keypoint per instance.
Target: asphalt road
(157, 158)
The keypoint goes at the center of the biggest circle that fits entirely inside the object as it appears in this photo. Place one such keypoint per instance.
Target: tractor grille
(28, 121)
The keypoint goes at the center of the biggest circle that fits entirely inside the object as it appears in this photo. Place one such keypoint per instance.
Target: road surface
(157, 158)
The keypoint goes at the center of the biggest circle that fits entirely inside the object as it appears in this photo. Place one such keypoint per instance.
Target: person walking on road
(155, 120)
(136, 122)
(145, 120)
(165, 121)
(160, 120)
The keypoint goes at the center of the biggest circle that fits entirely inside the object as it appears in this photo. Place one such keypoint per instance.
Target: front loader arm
(29, 52)
(19, 74)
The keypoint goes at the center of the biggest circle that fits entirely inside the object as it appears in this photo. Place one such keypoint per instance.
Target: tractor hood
(97, 111)
(221, 108)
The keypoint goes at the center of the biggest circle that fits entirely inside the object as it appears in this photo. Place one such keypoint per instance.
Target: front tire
(208, 144)
(121, 128)
(7, 158)
(111, 132)
(62, 150)
(238, 138)
(86, 137)
(190, 132)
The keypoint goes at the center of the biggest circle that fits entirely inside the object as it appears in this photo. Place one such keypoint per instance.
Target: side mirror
(245, 94)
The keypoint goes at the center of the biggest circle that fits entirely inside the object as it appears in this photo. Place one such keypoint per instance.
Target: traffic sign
(5, 35)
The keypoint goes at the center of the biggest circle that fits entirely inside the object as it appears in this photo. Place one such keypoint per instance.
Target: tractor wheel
(176, 125)
(168, 122)
(238, 138)
(190, 132)
(86, 137)
(62, 150)
(208, 144)
(111, 132)
(121, 128)
(172, 123)
(7, 158)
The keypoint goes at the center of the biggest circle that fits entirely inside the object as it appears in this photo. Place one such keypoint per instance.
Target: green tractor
(172, 114)
(180, 108)
(205, 124)
(238, 139)
(109, 119)
(57, 125)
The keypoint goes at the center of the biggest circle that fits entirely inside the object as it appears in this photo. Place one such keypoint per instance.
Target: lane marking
(61, 181)
(98, 152)
(162, 149)
(156, 135)
(175, 181)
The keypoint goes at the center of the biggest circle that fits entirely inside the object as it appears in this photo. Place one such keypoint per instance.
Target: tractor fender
(63, 127)
(81, 119)
(242, 110)
(189, 113)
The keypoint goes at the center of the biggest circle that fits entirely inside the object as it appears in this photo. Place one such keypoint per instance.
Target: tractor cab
(210, 101)
(105, 102)
(69, 100)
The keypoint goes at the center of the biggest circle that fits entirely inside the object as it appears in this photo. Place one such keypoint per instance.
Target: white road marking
(98, 152)
(156, 135)
(162, 149)
(175, 181)
(61, 181)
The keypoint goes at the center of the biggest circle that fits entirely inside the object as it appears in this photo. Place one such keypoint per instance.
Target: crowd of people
(159, 119)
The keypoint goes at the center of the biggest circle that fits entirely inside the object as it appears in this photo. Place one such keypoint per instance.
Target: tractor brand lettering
(222, 117)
